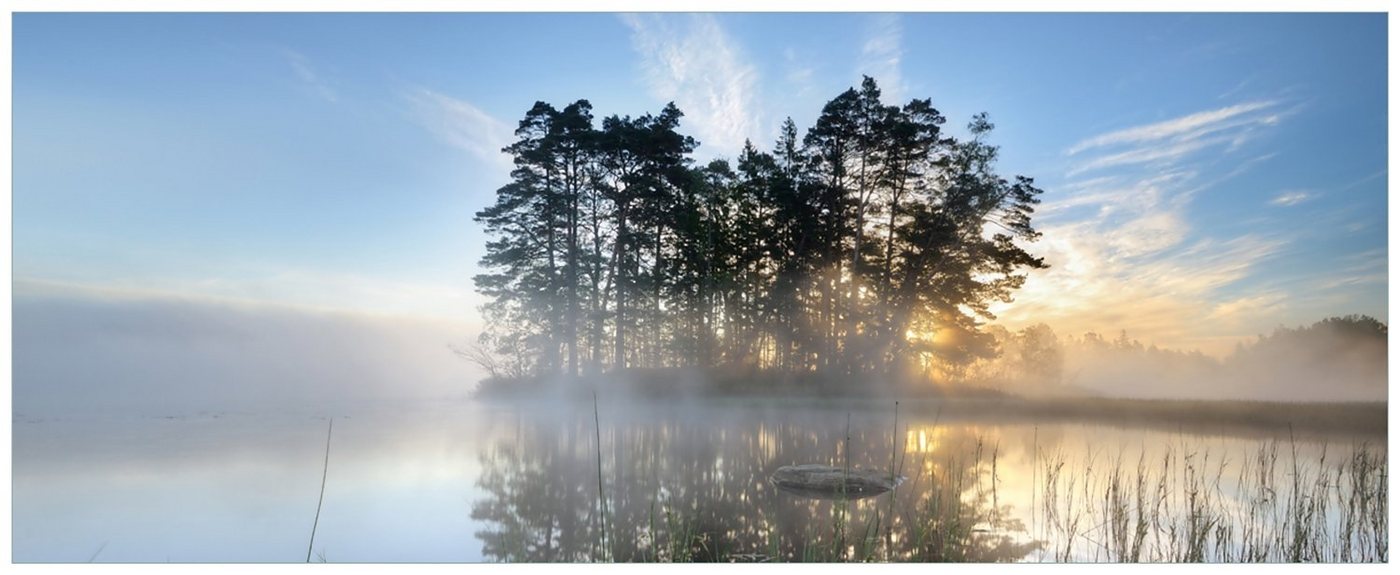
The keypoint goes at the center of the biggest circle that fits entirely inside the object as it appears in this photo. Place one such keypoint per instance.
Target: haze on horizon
(266, 196)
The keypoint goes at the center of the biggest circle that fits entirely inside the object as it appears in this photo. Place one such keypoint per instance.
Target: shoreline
(1368, 420)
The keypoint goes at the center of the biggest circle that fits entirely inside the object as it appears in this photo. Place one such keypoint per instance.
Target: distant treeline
(873, 244)
(1336, 359)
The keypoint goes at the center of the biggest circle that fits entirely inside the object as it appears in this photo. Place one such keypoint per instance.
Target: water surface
(480, 481)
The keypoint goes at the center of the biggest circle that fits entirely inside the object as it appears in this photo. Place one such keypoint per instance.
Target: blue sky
(1207, 177)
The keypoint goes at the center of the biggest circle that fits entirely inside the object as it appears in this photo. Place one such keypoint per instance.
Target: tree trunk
(571, 317)
(552, 356)
(619, 255)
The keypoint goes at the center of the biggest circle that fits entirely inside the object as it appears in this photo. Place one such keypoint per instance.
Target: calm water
(486, 482)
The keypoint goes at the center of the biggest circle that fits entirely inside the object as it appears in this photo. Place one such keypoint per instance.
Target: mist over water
(82, 352)
(150, 429)
(75, 351)
(1339, 359)
(487, 481)
(1338, 368)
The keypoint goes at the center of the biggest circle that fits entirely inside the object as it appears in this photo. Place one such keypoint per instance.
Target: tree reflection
(697, 490)
(541, 507)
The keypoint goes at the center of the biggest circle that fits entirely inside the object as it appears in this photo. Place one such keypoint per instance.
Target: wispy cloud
(462, 125)
(1248, 306)
(1171, 297)
(1122, 250)
(693, 62)
(799, 74)
(881, 54)
(1364, 268)
(1291, 198)
(1183, 129)
(1146, 154)
(1170, 142)
(309, 77)
(1363, 180)
(1238, 87)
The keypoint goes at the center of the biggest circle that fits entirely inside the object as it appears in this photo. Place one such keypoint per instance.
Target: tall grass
(1192, 504)
(682, 542)
(1197, 506)
(1186, 503)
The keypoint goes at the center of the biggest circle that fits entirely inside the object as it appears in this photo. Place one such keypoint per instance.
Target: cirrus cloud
(1122, 250)
(1290, 198)
(692, 61)
(461, 124)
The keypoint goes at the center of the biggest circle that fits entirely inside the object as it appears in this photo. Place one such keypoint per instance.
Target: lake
(496, 481)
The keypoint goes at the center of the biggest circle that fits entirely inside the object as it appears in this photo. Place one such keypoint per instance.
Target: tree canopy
(873, 244)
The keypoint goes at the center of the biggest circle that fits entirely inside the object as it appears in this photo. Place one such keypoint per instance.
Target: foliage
(873, 245)
(1338, 358)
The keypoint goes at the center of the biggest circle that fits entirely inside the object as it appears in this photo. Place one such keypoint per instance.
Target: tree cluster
(1336, 358)
(873, 244)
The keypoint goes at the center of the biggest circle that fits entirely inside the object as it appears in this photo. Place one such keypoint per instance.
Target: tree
(872, 244)
(643, 161)
(572, 139)
(951, 268)
(525, 281)
(1041, 360)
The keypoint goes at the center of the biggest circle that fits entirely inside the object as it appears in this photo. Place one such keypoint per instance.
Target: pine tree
(843, 252)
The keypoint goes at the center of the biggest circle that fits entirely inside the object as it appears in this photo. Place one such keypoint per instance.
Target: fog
(75, 351)
(1359, 374)
(228, 462)
(154, 354)
(1338, 359)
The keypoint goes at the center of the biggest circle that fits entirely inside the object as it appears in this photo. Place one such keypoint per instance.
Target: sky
(1207, 177)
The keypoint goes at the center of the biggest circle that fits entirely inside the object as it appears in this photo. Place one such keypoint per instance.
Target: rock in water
(827, 482)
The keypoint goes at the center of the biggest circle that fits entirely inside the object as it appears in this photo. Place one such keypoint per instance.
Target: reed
(1185, 501)
(1322, 509)
(602, 500)
(325, 466)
